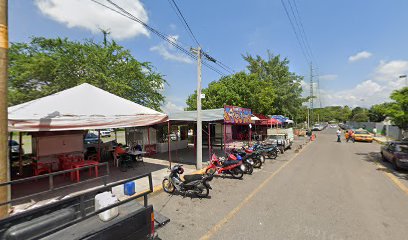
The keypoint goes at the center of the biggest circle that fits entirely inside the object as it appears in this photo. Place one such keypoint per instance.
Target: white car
(105, 133)
(333, 125)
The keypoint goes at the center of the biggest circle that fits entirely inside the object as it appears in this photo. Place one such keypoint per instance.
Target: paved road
(328, 191)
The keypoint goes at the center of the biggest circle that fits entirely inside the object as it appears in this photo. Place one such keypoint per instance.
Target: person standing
(375, 131)
(338, 135)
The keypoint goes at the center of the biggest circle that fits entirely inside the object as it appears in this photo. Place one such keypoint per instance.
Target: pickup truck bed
(129, 224)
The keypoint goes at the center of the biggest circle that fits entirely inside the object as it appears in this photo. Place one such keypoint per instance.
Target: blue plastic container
(129, 188)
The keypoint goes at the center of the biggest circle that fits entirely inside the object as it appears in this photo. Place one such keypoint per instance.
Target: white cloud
(385, 79)
(93, 17)
(328, 77)
(391, 70)
(170, 107)
(169, 52)
(360, 56)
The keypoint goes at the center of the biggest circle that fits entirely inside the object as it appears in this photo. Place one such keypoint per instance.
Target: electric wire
(168, 39)
(188, 29)
(296, 33)
(183, 20)
(302, 36)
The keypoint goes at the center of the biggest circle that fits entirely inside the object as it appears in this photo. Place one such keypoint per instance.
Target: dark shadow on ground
(189, 195)
(187, 155)
(28, 188)
(375, 158)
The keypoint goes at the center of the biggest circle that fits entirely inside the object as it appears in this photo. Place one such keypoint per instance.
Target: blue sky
(360, 47)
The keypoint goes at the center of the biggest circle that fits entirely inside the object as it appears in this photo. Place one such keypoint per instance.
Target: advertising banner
(237, 115)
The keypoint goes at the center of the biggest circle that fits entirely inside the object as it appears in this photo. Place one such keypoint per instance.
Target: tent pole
(250, 136)
(168, 142)
(195, 150)
(99, 146)
(225, 139)
(148, 135)
(209, 141)
(116, 136)
(20, 150)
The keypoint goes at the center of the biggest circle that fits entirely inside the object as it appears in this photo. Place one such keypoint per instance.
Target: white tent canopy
(79, 108)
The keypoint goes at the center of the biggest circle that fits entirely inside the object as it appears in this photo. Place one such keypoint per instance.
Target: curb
(379, 141)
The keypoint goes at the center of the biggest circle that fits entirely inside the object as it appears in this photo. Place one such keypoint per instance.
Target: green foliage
(398, 109)
(268, 88)
(332, 113)
(359, 114)
(46, 66)
(378, 112)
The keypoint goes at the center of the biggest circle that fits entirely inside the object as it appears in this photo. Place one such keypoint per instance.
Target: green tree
(359, 114)
(398, 109)
(46, 66)
(378, 112)
(268, 88)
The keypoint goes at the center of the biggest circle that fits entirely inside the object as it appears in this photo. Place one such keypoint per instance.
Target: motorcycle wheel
(237, 173)
(262, 157)
(210, 171)
(168, 186)
(257, 163)
(273, 155)
(249, 168)
(202, 192)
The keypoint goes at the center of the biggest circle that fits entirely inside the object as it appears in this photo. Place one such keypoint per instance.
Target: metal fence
(51, 177)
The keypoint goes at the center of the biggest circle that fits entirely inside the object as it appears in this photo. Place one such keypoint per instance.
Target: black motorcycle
(197, 184)
(254, 156)
(267, 150)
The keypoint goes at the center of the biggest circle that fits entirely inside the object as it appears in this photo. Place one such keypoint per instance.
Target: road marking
(391, 176)
(234, 211)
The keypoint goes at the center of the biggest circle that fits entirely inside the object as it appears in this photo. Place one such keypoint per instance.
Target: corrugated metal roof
(209, 115)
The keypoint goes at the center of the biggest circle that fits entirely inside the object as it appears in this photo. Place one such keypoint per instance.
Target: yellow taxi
(362, 135)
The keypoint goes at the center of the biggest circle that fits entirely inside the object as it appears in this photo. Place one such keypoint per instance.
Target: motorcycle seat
(192, 177)
(230, 162)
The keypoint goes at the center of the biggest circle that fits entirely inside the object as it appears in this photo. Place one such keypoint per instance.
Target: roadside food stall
(57, 122)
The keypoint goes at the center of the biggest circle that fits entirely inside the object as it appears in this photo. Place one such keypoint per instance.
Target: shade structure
(79, 108)
(209, 115)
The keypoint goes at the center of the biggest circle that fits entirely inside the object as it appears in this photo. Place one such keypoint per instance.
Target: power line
(296, 33)
(168, 39)
(304, 32)
(183, 20)
(302, 35)
(188, 29)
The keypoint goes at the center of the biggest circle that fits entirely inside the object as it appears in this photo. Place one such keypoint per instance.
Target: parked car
(15, 150)
(396, 153)
(362, 135)
(333, 125)
(91, 138)
(317, 127)
(105, 133)
(281, 140)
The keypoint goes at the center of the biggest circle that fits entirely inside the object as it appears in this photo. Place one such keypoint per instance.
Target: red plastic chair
(40, 168)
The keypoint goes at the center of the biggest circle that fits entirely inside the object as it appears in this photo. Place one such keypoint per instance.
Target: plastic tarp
(209, 115)
(80, 108)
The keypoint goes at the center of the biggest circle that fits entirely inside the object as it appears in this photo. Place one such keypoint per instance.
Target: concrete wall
(394, 131)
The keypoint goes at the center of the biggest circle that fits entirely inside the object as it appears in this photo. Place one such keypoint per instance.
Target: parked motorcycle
(270, 151)
(247, 153)
(197, 184)
(231, 166)
(248, 162)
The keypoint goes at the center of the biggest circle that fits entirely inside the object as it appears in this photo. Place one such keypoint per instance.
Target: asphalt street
(329, 190)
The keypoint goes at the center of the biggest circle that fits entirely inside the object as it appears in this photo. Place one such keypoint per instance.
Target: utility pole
(199, 163)
(4, 163)
(311, 94)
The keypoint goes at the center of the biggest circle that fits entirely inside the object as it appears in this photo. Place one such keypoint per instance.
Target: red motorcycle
(231, 166)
